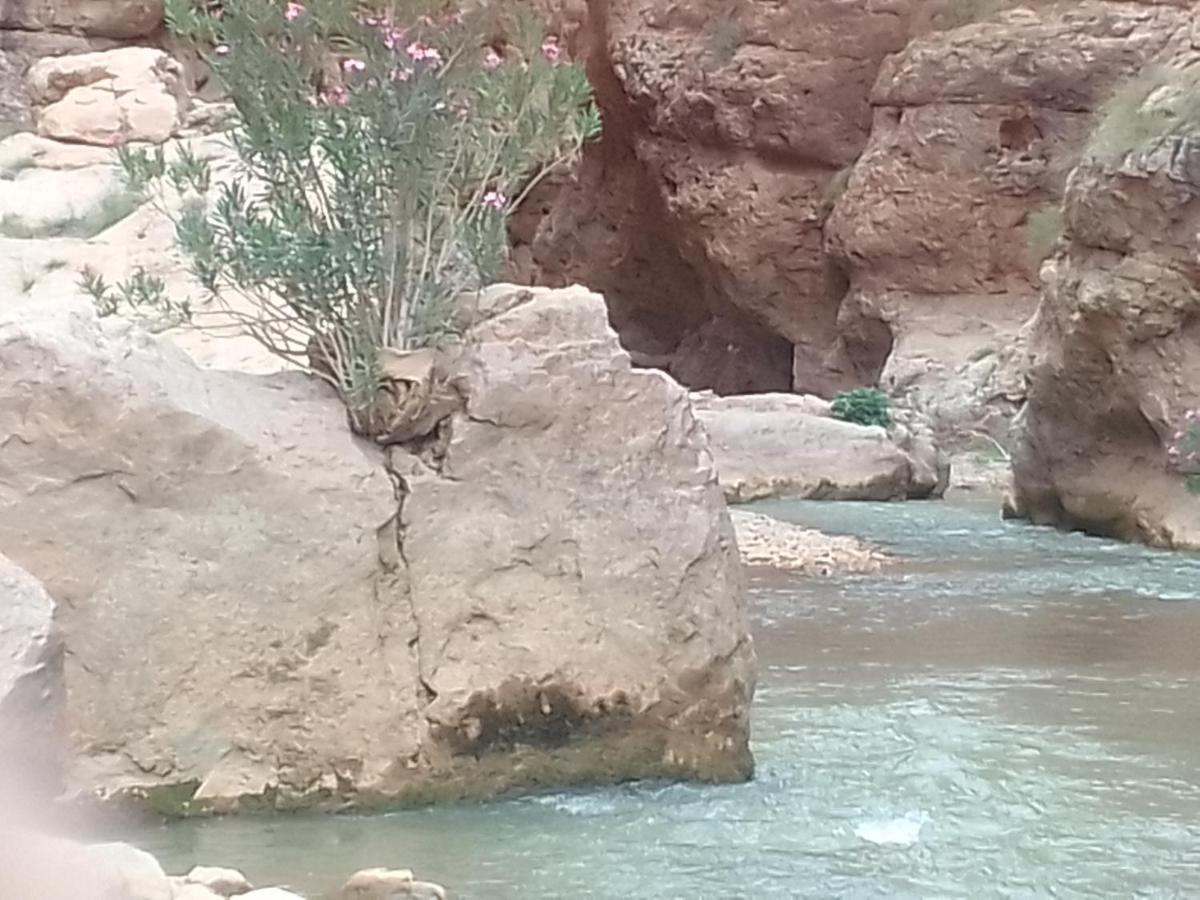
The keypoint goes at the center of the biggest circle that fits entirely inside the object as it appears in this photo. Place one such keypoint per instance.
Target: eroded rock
(699, 214)
(946, 215)
(1116, 359)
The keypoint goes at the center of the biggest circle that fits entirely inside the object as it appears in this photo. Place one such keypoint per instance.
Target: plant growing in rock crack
(378, 155)
(723, 37)
(140, 293)
(1158, 102)
(863, 406)
(1043, 228)
(1183, 451)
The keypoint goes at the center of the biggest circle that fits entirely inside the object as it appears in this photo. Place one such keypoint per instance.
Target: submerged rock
(548, 592)
(225, 882)
(388, 884)
(771, 445)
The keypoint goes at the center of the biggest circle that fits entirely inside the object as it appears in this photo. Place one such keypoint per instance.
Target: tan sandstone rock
(110, 97)
(1116, 363)
(770, 445)
(946, 212)
(550, 593)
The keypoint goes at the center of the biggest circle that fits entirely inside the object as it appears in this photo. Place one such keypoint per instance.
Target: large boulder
(786, 445)
(1115, 374)
(30, 685)
(109, 97)
(947, 214)
(261, 611)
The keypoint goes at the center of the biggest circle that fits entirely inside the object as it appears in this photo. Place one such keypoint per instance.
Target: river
(1005, 711)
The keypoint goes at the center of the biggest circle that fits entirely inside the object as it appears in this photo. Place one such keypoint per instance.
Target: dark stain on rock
(522, 714)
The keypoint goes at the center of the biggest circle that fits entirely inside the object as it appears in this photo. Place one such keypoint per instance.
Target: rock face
(30, 684)
(103, 18)
(33, 29)
(865, 190)
(109, 98)
(945, 217)
(1116, 360)
(548, 592)
(699, 214)
(772, 445)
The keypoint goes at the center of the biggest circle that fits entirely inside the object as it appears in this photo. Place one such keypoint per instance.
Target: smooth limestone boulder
(261, 611)
(787, 445)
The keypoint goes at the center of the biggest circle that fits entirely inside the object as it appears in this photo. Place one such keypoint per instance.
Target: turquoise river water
(1003, 712)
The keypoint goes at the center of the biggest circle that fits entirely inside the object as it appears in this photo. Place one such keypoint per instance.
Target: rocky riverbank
(39, 867)
(765, 541)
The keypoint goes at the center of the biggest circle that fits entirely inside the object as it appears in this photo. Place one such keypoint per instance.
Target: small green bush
(723, 37)
(1158, 102)
(1043, 228)
(863, 406)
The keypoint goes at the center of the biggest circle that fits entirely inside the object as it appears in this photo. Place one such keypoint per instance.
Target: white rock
(126, 873)
(270, 893)
(225, 882)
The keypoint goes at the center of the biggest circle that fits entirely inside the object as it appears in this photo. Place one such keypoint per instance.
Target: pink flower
(495, 200)
(420, 52)
(335, 97)
(392, 37)
(491, 59)
(293, 11)
(401, 73)
(354, 65)
(550, 49)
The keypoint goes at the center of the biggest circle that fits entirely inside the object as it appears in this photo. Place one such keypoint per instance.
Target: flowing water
(1004, 712)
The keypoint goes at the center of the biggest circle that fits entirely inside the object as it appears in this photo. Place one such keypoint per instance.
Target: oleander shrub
(379, 149)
